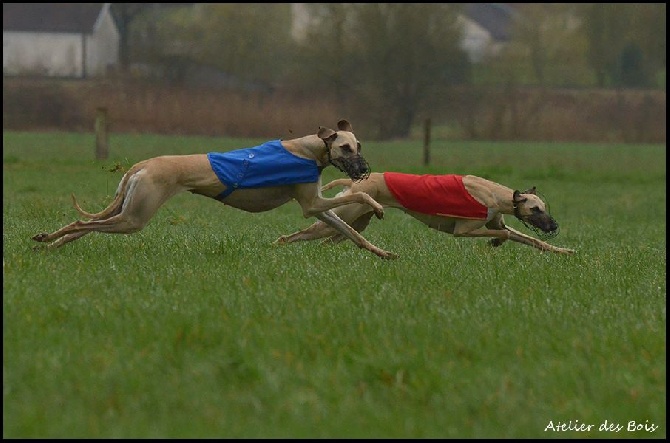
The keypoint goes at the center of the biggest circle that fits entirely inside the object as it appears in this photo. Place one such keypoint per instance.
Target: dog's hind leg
(333, 220)
(321, 229)
(355, 215)
(144, 195)
(115, 206)
(359, 225)
(61, 241)
(498, 224)
(316, 230)
(118, 224)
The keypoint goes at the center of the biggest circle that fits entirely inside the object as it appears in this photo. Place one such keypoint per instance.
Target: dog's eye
(358, 145)
(346, 148)
(535, 209)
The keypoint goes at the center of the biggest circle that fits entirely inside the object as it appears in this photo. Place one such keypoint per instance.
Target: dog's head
(344, 151)
(531, 210)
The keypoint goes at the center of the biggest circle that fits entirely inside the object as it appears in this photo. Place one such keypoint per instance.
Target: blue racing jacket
(269, 164)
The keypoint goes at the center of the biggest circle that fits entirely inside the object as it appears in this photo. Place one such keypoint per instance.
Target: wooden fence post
(101, 135)
(426, 142)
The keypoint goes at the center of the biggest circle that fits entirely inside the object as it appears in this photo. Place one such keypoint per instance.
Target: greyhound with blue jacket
(251, 179)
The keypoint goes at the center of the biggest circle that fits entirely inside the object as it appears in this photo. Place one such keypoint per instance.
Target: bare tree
(124, 14)
(406, 53)
(323, 60)
(547, 46)
(652, 34)
(248, 41)
(559, 44)
(626, 41)
(604, 24)
(392, 57)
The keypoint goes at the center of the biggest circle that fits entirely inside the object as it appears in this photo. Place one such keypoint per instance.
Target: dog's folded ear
(344, 125)
(326, 134)
(532, 190)
(516, 197)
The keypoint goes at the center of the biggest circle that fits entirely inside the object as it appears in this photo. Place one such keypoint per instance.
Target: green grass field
(198, 327)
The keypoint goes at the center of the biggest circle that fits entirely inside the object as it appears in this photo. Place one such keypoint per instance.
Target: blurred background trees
(619, 44)
(625, 42)
(247, 43)
(396, 61)
(392, 65)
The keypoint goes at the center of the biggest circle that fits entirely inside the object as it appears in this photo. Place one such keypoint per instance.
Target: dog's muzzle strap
(357, 168)
(539, 232)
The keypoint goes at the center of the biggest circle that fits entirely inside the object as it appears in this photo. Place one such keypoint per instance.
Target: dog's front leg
(312, 203)
(464, 229)
(531, 241)
(333, 220)
(475, 229)
(496, 223)
(336, 183)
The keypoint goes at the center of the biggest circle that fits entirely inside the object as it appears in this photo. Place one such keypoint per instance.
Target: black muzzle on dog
(542, 224)
(356, 167)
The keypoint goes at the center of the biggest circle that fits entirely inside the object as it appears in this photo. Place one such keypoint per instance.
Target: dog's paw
(379, 213)
(495, 242)
(280, 241)
(389, 255)
(40, 237)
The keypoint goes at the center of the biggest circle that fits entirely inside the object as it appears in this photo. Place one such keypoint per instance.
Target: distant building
(486, 29)
(75, 40)
(78, 40)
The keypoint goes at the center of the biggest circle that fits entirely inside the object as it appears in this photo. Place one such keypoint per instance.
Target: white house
(486, 29)
(76, 40)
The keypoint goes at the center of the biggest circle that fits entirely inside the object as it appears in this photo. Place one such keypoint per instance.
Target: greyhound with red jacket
(465, 206)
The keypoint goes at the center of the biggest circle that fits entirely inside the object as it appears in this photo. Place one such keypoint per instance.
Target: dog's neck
(506, 205)
(309, 146)
(504, 198)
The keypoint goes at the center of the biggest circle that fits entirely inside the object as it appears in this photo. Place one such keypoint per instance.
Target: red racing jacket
(443, 195)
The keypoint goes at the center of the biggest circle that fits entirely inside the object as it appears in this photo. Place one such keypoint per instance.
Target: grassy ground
(198, 327)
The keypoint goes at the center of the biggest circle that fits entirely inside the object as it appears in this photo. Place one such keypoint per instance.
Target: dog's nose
(360, 169)
(552, 225)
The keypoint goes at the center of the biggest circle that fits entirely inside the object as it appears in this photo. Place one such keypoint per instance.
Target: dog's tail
(346, 182)
(116, 204)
